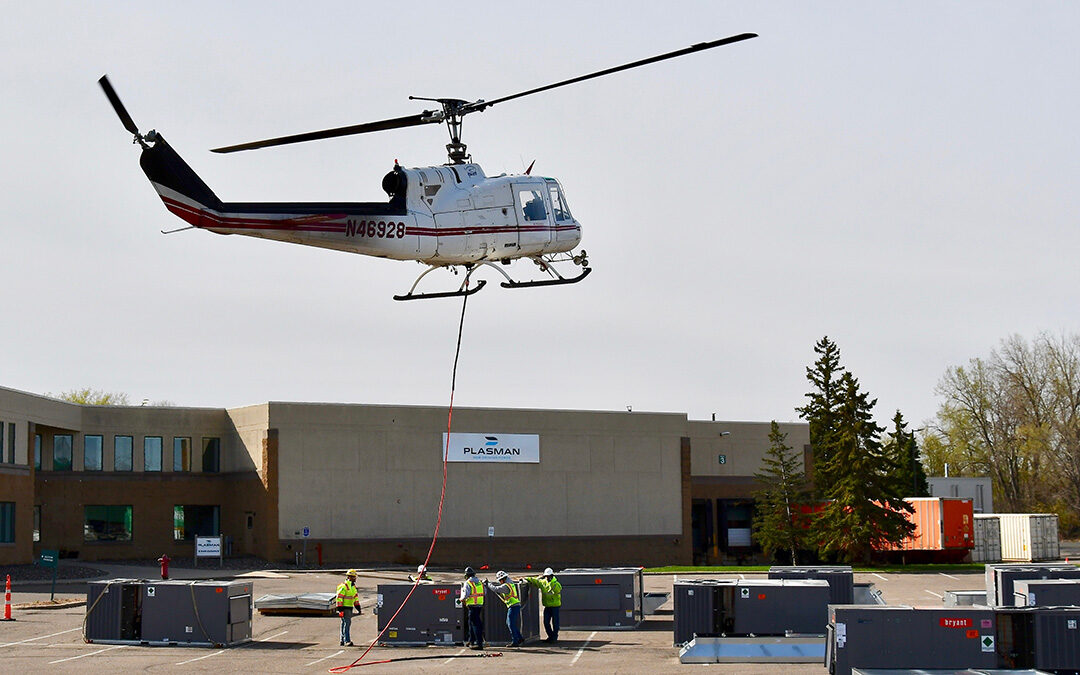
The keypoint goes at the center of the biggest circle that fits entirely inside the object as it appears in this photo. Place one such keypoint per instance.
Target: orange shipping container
(941, 524)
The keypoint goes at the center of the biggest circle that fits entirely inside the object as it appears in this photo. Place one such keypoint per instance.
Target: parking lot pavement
(51, 640)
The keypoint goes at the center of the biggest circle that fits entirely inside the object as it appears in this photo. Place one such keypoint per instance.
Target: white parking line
(936, 595)
(949, 575)
(200, 658)
(455, 656)
(41, 637)
(265, 639)
(879, 576)
(582, 650)
(83, 656)
(340, 651)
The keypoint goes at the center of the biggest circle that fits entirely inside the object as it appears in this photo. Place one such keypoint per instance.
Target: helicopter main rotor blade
(367, 127)
(121, 111)
(701, 46)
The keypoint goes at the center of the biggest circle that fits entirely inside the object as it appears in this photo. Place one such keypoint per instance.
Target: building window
(11, 442)
(37, 522)
(2, 443)
(181, 454)
(196, 521)
(37, 452)
(211, 455)
(122, 453)
(107, 523)
(7, 522)
(152, 453)
(61, 452)
(92, 453)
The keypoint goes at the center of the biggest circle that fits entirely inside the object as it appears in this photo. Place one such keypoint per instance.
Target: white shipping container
(987, 538)
(1028, 537)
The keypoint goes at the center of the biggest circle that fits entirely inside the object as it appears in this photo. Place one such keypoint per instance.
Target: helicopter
(447, 216)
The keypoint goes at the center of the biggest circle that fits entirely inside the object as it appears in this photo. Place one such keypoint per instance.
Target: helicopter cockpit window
(558, 204)
(532, 204)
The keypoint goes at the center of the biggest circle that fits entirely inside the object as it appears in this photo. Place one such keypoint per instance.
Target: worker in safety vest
(551, 599)
(421, 575)
(507, 590)
(347, 598)
(472, 597)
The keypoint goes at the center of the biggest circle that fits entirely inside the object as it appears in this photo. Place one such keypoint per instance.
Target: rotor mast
(453, 111)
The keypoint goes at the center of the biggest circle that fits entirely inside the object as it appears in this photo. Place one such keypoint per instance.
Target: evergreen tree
(779, 525)
(822, 408)
(903, 452)
(864, 510)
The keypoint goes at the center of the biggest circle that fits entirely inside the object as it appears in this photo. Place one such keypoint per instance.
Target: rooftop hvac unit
(964, 598)
(603, 598)
(703, 607)
(1000, 578)
(196, 613)
(765, 607)
(495, 630)
(1046, 592)
(433, 615)
(901, 637)
(114, 610)
(1047, 638)
(840, 577)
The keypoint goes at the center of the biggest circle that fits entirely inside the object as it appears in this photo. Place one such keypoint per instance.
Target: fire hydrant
(164, 560)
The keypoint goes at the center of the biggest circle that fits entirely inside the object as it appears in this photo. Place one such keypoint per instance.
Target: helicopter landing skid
(462, 290)
(559, 281)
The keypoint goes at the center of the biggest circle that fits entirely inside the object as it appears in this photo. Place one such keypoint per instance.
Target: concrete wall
(375, 472)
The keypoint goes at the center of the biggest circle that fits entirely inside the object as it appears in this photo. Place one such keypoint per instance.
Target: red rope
(442, 499)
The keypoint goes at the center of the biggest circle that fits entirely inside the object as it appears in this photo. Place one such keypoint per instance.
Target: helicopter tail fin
(184, 193)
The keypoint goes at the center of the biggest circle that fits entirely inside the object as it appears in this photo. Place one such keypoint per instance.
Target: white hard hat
(501, 575)
(419, 569)
(548, 572)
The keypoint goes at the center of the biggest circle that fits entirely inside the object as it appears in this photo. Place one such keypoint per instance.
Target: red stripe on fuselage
(200, 217)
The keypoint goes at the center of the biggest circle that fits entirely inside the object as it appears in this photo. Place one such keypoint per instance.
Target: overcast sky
(899, 176)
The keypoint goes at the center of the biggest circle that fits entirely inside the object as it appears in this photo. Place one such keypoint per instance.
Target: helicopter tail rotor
(122, 112)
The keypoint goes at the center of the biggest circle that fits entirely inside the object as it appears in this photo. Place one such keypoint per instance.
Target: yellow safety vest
(347, 595)
(475, 595)
(511, 599)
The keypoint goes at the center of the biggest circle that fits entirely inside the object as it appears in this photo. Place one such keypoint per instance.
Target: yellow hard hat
(351, 573)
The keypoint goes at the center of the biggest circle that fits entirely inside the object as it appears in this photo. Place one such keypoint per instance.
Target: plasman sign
(501, 448)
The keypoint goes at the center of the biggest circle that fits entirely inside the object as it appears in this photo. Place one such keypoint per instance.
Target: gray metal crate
(1046, 592)
(898, 637)
(1000, 578)
(114, 610)
(495, 630)
(433, 614)
(840, 577)
(197, 613)
(781, 606)
(603, 598)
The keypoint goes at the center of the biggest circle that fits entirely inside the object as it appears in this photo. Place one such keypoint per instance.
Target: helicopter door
(451, 245)
(533, 213)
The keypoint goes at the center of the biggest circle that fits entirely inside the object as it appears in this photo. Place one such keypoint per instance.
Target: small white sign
(207, 547)
(491, 531)
(987, 642)
(490, 447)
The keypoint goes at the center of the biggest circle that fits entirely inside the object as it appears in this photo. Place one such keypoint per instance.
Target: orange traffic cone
(7, 599)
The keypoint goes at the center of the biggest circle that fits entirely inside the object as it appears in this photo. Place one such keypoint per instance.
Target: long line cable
(442, 498)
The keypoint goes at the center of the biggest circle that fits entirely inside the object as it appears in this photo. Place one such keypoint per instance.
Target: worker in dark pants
(472, 597)
(551, 599)
(347, 598)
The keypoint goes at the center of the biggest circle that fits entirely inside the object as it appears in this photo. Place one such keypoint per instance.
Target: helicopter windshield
(558, 203)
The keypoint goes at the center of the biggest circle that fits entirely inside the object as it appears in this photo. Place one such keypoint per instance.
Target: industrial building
(562, 487)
